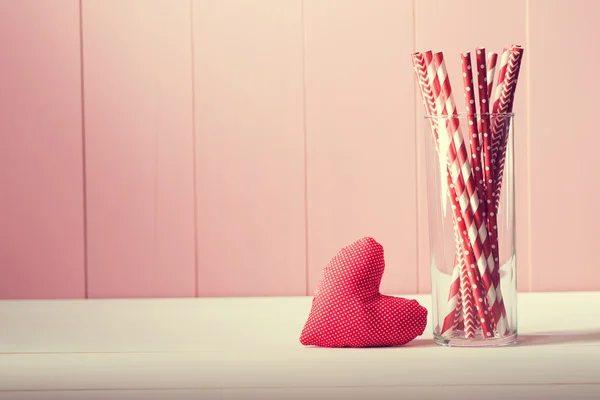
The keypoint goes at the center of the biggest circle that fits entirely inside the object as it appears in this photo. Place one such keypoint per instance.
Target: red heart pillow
(349, 311)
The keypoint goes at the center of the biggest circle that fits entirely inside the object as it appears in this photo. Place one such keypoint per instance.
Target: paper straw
(496, 103)
(492, 58)
(498, 307)
(464, 311)
(500, 79)
(470, 222)
(454, 309)
(471, 111)
(501, 131)
(470, 259)
(474, 208)
(463, 163)
(486, 149)
(423, 73)
(468, 305)
(432, 106)
(506, 106)
(491, 69)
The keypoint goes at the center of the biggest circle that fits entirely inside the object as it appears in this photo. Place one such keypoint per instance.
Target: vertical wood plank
(564, 144)
(460, 26)
(41, 168)
(139, 148)
(360, 133)
(249, 147)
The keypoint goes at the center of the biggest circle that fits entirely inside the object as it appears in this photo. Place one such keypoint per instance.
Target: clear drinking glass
(472, 240)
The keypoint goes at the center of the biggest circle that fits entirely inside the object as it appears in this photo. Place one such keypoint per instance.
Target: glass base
(460, 341)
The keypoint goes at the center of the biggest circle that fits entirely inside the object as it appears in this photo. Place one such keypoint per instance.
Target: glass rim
(464, 114)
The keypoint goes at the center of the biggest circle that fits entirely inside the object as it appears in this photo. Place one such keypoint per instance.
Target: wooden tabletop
(248, 348)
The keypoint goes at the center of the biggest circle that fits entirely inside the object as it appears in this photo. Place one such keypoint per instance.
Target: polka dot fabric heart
(349, 311)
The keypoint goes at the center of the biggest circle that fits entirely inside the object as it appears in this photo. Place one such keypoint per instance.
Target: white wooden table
(248, 348)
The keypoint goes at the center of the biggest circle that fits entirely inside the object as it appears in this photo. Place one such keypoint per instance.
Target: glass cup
(471, 194)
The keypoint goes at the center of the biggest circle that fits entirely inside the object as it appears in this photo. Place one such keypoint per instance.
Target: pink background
(167, 148)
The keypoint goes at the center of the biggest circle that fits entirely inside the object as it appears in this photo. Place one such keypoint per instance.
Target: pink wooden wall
(163, 148)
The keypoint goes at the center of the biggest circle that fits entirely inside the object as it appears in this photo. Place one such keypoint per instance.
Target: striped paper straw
(470, 222)
(486, 258)
(492, 58)
(500, 80)
(432, 107)
(423, 70)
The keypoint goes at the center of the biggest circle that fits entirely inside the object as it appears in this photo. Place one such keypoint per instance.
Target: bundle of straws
(473, 179)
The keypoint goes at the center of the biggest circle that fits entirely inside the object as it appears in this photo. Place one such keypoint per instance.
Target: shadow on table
(537, 339)
(553, 338)
(533, 339)
(421, 343)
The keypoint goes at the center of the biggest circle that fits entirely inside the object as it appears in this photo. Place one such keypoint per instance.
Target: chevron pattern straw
(436, 105)
(468, 303)
(424, 69)
(506, 105)
(454, 307)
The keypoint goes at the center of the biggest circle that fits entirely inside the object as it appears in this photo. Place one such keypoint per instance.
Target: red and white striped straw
(484, 253)
(491, 70)
(462, 157)
(500, 79)
(476, 283)
(438, 107)
(424, 70)
(470, 222)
